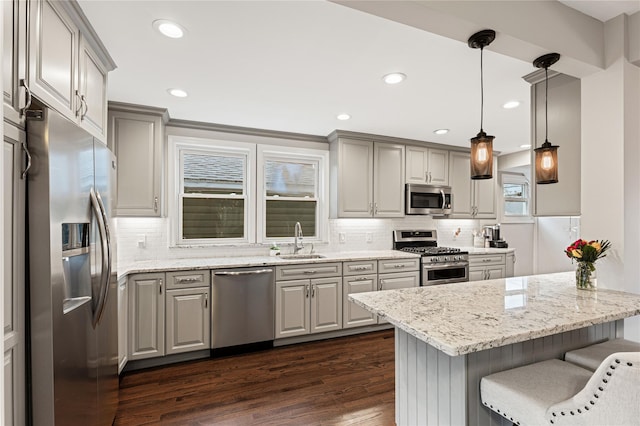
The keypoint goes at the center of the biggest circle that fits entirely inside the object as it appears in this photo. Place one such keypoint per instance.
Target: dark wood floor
(344, 381)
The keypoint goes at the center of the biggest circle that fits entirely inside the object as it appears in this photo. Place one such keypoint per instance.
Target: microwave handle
(444, 200)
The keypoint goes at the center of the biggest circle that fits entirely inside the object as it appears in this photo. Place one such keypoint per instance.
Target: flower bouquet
(585, 253)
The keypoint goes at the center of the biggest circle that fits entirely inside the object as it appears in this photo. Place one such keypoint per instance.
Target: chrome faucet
(297, 238)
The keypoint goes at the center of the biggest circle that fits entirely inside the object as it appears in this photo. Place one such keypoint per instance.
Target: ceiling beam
(525, 29)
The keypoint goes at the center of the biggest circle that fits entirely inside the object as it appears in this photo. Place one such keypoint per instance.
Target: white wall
(610, 163)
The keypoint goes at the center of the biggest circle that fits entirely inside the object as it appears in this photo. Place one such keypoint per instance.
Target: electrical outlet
(369, 237)
(342, 237)
(142, 241)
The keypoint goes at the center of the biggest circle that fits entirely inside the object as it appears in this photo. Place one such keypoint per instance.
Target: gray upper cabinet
(562, 198)
(427, 166)
(471, 198)
(367, 178)
(53, 55)
(14, 32)
(68, 65)
(136, 136)
(93, 91)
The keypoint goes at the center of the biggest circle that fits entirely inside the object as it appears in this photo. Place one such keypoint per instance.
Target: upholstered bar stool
(591, 357)
(555, 392)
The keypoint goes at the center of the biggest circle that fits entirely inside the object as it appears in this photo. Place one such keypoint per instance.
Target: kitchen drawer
(360, 267)
(398, 265)
(486, 260)
(188, 279)
(309, 270)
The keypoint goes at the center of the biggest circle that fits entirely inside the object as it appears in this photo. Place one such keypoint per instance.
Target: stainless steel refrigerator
(73, 369)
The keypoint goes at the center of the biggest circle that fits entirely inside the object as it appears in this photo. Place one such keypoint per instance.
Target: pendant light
(546, 161)
(482, 144)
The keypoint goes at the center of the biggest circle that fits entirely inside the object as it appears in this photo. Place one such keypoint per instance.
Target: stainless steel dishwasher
(243, 307)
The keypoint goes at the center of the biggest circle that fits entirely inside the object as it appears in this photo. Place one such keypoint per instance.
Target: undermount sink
(301, 256)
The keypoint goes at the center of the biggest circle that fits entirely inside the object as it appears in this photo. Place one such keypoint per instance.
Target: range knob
(434, 259)
(446, 258)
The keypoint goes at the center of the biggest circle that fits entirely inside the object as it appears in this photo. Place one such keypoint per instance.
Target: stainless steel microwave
(428, 199)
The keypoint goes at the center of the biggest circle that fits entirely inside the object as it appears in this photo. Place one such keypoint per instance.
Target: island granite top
(461, 318)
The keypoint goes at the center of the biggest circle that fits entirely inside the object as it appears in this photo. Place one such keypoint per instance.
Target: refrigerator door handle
(96, 205)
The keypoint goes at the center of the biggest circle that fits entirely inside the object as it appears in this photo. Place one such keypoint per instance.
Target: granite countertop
(489, 250)
(468, 317)
(249, 261)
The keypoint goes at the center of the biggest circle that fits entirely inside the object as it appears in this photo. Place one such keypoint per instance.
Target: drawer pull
(486, 260)
(361, 279)
(309, 271)
(399, 265)
(186, 279)
(361, 268)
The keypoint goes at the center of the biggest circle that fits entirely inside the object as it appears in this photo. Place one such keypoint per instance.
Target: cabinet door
(417, 163)
(326, 304)
(399, 280)
(188, 319)
(53, 51)
(292, 308)
(438, 167)
(477, 274)
(352, 314)
(13, 275)
(485, 197)
(93, 92)
(14, 24)
(355, 181)
(388, 180)
(123, 309)
(146, 316)
(510, 265)
(495, 272)
(460, 181)
(136, 140)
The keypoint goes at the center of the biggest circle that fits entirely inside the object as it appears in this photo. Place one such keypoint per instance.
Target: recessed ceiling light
(394, 78)
(168, 28)
(343, 116)
(178, 93)
(511, 104)
(526, 145)
(441, 131)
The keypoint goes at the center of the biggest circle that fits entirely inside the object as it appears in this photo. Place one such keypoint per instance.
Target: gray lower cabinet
(188, 320)
(136, 136)
(123, 324)
(304, 305)
(146, 315)
(489, 266)
(14, 277)
(398, 273)
(358, 277)
(169, 313)
(353, 315)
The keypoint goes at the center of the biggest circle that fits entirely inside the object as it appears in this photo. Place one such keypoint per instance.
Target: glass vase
(586, 276)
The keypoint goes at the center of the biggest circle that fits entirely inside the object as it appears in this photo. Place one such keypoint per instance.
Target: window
(292, 191)
(515, 197)
(213, 193)
(216, 201)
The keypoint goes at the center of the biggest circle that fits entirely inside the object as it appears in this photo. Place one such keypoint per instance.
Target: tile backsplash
(141, 239)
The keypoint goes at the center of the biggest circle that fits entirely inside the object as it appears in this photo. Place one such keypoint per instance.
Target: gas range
(440, 265)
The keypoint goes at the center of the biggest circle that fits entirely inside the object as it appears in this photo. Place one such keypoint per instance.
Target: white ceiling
(295, 65)
(604, 10)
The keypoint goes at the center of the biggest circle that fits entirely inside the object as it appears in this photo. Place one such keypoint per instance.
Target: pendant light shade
(546, 157)
(482, 144)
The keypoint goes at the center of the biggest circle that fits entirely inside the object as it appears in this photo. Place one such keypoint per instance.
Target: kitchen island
(449, 336)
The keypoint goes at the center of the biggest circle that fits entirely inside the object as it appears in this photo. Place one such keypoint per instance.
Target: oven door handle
(446, 265)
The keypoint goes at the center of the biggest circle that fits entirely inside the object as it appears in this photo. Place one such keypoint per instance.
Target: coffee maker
(492, 233)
